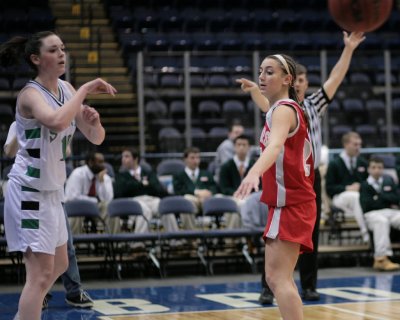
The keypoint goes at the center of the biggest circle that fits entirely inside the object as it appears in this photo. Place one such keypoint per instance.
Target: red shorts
(292, 223)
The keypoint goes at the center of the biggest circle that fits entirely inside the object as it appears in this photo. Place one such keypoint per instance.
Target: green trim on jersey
(33, 172)
(32, 133)
(27, 189)
(30, 223)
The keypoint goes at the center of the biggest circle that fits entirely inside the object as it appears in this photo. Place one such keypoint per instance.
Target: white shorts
(34, 219)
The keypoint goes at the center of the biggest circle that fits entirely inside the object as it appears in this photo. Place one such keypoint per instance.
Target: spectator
(380, 203)
(195, 184)
(231, 175)
(226, 149)
(143, 185)
(343, 179)
(91, 182)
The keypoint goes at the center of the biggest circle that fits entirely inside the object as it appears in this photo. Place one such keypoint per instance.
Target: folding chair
(124, 208)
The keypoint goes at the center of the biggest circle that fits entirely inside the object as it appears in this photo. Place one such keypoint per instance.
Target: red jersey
(290, 179)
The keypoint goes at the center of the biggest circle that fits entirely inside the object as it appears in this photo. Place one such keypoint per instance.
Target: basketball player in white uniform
(47, 111)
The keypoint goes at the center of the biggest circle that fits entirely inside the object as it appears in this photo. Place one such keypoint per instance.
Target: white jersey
(40, 161)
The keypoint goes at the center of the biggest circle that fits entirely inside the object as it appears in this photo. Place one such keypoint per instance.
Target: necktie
(92, 189)
(241, 170)
(193, 177)
(137, 176)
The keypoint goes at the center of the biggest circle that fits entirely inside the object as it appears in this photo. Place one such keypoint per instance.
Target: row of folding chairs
(205, 241)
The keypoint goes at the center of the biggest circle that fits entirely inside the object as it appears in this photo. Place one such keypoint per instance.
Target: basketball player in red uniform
(286, 168)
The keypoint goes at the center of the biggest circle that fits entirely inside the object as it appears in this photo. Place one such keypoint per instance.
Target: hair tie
(283, 61)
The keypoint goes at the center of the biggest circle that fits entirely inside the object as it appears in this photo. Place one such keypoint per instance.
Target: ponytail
(12, 51)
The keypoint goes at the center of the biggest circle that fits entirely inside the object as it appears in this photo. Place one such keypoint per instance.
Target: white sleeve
(105, 190)
(12, 133)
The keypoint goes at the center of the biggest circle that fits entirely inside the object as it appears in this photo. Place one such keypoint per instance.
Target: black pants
(308, 262)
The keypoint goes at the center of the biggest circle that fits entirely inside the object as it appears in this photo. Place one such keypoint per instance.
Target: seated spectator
(195, 184)
(380, 203)
(343, 178)
(231, 175)
(143, 185)
(91, 182)
(226, 149)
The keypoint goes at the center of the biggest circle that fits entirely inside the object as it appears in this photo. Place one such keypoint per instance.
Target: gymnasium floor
(346, 293)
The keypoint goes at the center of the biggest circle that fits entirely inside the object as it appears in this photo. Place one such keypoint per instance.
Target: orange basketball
(360, 15)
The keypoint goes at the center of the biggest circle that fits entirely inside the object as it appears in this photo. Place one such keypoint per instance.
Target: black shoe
(310, 295)
(82, 300)
(46, 300)
(266, 296)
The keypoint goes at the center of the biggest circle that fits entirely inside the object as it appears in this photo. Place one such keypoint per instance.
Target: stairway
(90, 60)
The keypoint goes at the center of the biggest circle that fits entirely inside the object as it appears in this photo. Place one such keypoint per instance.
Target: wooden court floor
(368, 297)
(388, 310)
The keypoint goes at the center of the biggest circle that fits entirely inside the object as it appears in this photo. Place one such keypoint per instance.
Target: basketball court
(353, 293)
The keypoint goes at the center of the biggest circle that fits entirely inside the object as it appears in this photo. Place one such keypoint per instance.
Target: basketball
(360, 15)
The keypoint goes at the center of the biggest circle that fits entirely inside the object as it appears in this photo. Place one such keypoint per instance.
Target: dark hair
(14, 49)
(348, 135)
(300, 69)
(133, 151)
(190, 150)
(234, 123)
(292, 71)
(91, 156)
(375, 159)
(241, 137)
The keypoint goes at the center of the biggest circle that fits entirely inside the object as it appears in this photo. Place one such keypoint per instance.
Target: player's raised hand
(353, 39)
(247, 85)
(98, 86)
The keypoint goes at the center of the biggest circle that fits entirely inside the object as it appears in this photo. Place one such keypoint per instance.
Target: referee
(315, 106)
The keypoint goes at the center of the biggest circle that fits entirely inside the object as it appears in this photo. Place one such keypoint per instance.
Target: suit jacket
(371, 199)
(229, 177)
(184, 185)
(338, 176)
(127, 186)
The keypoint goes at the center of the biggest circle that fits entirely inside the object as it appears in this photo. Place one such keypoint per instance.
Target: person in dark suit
(194, 183)
(143, 185)
(343, 179)
(380, 203)
(231, 175)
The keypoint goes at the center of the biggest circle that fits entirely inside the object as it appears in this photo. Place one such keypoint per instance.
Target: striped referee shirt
(315, 106)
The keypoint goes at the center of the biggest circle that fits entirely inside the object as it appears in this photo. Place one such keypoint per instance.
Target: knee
(43, 279)
(271, 279)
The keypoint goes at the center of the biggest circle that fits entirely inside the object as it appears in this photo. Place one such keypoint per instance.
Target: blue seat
(156, 41)
(209, 108)
(170, 140)
(389, 160)
(170, 81)
(180, 41)
(170, 167)
(253, 41)
(194, 19)
(156, 108)
(125, 208)
(376, 111)
(145, 19)
(314, 79)
(177, 109)
(131, 42)
(369, 134)
(170, 19)
(355, 110)
(218, 81)
(359, 78)
(197, 81)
